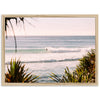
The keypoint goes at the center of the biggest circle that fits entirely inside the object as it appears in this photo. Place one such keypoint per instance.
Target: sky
(54, 27)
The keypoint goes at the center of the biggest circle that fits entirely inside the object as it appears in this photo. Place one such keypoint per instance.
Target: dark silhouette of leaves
(8, 19)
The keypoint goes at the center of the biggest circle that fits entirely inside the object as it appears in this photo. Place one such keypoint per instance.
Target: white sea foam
(49, 56)
(70, 49)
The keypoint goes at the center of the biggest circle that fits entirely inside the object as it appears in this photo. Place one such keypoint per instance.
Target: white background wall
(49, 7)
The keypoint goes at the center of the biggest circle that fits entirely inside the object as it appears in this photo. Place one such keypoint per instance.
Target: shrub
(85, 71)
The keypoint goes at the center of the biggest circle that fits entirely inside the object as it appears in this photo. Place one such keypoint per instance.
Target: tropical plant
(18, 73)
(85, 71)
(8, 23)
(8, 20)
(88, 63)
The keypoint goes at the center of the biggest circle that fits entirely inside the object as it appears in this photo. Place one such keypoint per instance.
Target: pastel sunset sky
(54, 27)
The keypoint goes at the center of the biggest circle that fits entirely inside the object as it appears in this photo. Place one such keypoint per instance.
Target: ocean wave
(68, 49)
(49, 61)
(44, 50)
(62, 49)
(48, 50)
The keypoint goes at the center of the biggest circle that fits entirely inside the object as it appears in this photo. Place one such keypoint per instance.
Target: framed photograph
(50, 50)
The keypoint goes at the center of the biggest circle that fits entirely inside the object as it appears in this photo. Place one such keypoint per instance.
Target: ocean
(44, 55)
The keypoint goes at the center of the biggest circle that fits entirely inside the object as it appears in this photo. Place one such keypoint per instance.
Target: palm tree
(17, 20)
(8, 19)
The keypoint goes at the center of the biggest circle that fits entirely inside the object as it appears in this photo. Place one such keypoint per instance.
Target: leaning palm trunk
(8, 19)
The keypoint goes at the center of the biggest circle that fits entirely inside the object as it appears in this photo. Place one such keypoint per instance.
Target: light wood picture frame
(59, 40)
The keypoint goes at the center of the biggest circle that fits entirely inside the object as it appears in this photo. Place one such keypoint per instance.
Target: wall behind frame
(50, 7)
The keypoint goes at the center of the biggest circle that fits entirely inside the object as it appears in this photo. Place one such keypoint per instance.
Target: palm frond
(17, 73)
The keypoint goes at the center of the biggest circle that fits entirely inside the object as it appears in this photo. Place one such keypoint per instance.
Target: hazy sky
(54, 26)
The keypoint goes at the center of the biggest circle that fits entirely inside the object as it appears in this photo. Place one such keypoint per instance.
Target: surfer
(46, 49)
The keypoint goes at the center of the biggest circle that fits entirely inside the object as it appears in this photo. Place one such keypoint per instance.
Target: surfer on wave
(46, 49)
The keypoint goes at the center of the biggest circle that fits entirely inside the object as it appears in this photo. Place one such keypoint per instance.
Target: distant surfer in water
(46, 49)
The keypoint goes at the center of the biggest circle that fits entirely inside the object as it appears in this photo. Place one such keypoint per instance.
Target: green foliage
(85, 71)
(17, 73)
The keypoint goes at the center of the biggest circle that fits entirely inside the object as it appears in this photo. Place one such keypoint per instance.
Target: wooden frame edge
(48, 15)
